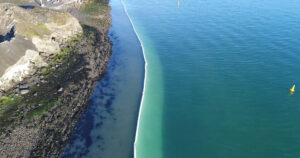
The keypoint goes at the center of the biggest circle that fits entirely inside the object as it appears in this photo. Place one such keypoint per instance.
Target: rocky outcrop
(25, 66)
(46, 90)
(67, 89)
(46, 29)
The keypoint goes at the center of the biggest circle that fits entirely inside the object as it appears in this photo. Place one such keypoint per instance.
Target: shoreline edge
(145, 78)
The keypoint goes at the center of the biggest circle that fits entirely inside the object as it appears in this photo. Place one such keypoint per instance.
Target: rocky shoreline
(38, 115)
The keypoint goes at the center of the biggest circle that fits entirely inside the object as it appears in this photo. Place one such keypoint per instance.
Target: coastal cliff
(51, 59)
(44, 29)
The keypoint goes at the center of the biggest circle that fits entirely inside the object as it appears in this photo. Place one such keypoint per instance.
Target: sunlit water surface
(218, 78)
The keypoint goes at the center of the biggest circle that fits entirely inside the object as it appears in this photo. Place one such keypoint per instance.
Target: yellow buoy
(178, 3)
(292, 90)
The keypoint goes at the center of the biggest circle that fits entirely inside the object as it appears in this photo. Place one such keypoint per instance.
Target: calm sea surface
(218, 78)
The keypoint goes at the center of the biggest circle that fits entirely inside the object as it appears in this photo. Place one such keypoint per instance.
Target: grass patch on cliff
(60, 57)
(42, 28)
(38, 30)
(7, 100)
(96, 13)
(40, 108)
(8, 108)
(46, 71)
(95, 8)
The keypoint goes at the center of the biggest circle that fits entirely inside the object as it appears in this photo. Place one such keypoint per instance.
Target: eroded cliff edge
(51, 59)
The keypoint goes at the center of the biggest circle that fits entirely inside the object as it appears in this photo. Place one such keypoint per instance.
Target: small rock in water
(24, 91)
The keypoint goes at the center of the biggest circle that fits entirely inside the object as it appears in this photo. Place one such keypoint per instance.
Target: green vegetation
(7, 100)
(8, 109)
(34, 30)
(74, 40)
(46, 71)
(40, 108)
(94, 8)
(42, 28)
(12, 107)
(61, 56)
(96, 13)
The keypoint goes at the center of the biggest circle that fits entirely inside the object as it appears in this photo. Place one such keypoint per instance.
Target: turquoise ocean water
(218, 78)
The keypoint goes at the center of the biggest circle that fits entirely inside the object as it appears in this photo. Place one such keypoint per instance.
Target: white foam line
(145, 79)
